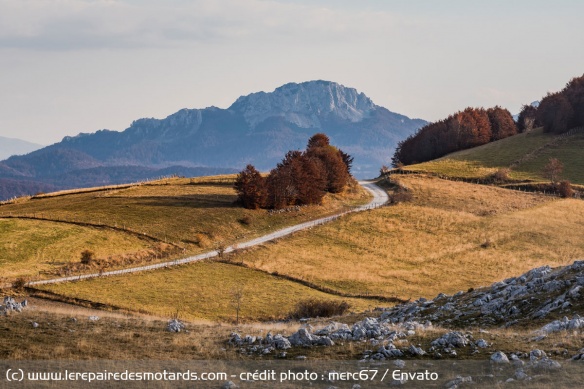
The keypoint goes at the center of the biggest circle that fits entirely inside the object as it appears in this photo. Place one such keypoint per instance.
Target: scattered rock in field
(499, 357)
(564, 324)
(481, 343)
(458, 381)
(93, 318)
(229, 385)
(35, 324)
(535, 294)
(175, 325)
(10, 305)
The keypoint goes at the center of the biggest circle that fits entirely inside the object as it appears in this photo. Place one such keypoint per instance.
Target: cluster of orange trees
(301, 178)
(558, 112)
(462, 130)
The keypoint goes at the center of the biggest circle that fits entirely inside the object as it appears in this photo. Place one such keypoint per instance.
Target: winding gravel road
(380, 198)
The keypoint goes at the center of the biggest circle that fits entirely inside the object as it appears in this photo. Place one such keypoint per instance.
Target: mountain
(259, 129)
(11, 146)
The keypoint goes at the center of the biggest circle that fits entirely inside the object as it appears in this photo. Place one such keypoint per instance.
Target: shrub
(319, 308)
(246, 220)
(565, 189)
(501, 175)
(401, 196)
(19, 284)
(87, 256)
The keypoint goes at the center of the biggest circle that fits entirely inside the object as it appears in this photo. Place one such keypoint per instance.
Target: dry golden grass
(196, 214)
(453, 236)
(30, 247)
(202, 290)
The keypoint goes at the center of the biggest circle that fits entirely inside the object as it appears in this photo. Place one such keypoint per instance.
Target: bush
(19, 284)
(87, 257)
(401, 196)
(501, 175)
(319, 308)
(565, 189)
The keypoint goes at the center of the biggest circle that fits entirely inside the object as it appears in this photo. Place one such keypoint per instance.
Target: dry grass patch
(196, 214)
(453, 236)
(32, 247)
(202, 290)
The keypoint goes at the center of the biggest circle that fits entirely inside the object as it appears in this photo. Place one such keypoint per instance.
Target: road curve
(380, 198)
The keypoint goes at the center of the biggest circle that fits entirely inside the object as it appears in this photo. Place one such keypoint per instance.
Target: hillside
(524, 154)
(258, 129)
(138, 223)
(452, 236)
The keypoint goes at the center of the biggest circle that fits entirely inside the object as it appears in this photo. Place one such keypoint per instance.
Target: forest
(557, 113)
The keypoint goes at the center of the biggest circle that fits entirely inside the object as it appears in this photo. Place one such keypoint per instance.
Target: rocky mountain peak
(305, 104)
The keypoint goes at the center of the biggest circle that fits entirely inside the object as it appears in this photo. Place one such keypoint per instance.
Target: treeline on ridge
(557, 112)
(301, 178)
(462, 130)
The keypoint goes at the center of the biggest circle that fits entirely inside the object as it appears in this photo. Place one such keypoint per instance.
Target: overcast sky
(70, 66)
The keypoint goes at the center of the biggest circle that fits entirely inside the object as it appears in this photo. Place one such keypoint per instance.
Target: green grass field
(526, 154)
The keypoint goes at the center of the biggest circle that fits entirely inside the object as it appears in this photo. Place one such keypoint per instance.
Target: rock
(451, 339)
(35, 324)
(302, 338)
(416, 351)
(175, 325)
(481, 343)
(499, 357)
(93, 318)
(536, 354)
(546, 364)
(520, 375)
(280, 342)
(458, 381)
(229, 385)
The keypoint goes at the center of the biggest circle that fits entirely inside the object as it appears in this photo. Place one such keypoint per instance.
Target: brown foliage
(251, 188)
(301, 178)
(565, 189)
(87, 256)
(319, 308)
(469, 128)
(553, 169)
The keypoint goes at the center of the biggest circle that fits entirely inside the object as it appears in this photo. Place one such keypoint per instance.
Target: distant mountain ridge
(13, 146)
(258, 128)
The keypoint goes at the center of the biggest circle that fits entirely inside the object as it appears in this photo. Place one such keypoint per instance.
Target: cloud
(124, 24)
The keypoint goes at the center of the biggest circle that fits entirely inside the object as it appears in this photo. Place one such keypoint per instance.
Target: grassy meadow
(452, 236)
(197, 215)
(202, 290)
(29, 248)
(526, 154)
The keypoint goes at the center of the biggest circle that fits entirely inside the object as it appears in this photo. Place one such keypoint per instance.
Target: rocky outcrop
(533, 295)
(11, 305)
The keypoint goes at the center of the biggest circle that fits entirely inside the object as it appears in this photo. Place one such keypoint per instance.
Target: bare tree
(237, 295)
(553, 170)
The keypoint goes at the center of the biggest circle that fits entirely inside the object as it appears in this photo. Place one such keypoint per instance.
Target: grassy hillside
(32, 247)
(526, 154)
(451, 237)
(194, 215)
(201, 290)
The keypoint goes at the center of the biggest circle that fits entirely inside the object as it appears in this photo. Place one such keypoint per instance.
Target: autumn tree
(553, 170)
(502, 123)
(526, 121)
(555, 113)
(251, 188)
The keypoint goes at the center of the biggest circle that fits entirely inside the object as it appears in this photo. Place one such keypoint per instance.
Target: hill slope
(258, 128)
(525, 154)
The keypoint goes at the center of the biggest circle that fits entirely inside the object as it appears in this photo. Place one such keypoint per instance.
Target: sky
(71, 66)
